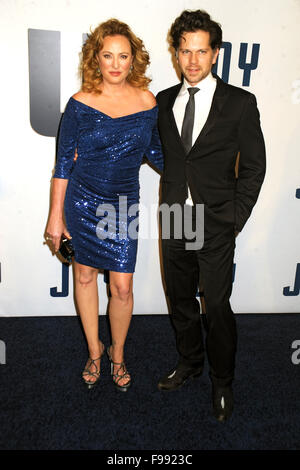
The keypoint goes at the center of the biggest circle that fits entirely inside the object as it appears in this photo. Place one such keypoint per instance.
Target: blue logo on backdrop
(45, 76)
(287, 290)
(246, 66)
(64, 283)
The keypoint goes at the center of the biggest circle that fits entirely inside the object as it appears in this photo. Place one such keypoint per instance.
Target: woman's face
(115, 59)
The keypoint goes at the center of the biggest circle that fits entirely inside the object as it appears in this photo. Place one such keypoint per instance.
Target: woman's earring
(99, 71)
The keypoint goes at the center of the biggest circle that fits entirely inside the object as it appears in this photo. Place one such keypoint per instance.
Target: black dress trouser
(182, 270)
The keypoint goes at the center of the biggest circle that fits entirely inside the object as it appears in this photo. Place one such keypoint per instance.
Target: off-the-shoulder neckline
(104, 114)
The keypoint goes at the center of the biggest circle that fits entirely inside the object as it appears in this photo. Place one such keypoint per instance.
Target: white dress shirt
(203, 100)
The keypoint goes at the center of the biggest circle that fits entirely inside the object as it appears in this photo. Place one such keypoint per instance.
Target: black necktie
(188, 121)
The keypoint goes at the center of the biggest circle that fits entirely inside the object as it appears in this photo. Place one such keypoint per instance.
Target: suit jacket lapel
(219, 99)
(173, 125)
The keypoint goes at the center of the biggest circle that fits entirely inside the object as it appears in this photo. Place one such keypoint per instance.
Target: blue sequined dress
(104, 178)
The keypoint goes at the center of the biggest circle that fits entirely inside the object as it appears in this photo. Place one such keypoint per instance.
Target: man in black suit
(204, 124)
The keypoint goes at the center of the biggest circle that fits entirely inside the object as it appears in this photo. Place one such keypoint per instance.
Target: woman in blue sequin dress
(106, 130)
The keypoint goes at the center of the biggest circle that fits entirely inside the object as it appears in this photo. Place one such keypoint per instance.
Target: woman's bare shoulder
(81, 96)
(148, 98)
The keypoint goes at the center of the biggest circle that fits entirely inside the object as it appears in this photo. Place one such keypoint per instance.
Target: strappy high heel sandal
(117, 377)
(87, 371)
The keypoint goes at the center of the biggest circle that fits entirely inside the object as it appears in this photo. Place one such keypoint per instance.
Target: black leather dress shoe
(177, 377)
(222, 403)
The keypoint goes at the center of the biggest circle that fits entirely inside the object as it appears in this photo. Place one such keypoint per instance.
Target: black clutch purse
(66, 249)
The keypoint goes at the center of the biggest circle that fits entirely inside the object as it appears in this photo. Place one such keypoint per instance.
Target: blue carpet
(45, 406)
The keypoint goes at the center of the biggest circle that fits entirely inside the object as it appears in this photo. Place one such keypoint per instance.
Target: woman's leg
(86, 294)
(120, 313)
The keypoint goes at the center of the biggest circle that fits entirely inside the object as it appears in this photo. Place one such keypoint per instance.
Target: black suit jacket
(232, 126)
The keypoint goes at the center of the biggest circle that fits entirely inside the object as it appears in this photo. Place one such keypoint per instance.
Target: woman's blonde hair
(91, 77)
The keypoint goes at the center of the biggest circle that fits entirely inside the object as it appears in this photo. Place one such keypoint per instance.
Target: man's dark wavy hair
(191, 21)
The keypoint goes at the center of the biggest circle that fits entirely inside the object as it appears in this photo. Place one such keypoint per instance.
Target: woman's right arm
(56, 226)
(67, 144)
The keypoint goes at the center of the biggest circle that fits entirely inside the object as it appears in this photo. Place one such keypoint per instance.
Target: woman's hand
(55, 226)
(54, 231)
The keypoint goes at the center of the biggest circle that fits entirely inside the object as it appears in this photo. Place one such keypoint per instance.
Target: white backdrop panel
(267, 252)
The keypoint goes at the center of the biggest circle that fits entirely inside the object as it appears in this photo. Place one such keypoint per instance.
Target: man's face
(195, 56)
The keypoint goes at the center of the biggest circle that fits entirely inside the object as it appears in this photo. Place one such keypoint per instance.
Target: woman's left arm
(154, 151)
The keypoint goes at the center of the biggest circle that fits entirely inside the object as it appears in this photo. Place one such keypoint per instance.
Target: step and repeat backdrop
(40, 46)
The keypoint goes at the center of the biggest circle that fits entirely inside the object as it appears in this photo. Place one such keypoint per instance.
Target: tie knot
(193, 91)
